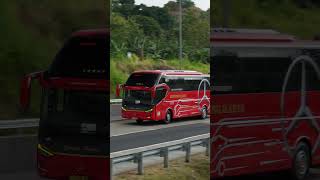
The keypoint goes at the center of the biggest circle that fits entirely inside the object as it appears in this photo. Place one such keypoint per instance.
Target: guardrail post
(111, 168)
(207, 147)
(139, 157)
(19, 131)
(165, 155)
(188, 151)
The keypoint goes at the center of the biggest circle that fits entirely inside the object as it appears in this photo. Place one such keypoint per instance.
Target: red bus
(266, 105)
(164, 95)
(73, 137)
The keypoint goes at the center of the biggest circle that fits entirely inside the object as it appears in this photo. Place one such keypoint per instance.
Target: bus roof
(171, 72)
(255, 38)
(249, 35)
(91, 32)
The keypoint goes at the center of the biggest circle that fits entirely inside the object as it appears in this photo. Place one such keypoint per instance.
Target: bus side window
(224, 70)
(313, 82)
(162, 80)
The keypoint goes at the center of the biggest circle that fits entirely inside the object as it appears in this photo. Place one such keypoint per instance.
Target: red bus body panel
(247, 130)
(59, 166)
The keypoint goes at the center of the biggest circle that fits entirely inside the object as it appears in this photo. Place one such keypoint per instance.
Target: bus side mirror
(118, 90)
(25, 90)
(153, 93)
(165, 89)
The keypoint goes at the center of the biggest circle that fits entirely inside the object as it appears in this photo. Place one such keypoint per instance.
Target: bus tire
(168, 117)
(139, 121)
(301, 162)
(204, 112)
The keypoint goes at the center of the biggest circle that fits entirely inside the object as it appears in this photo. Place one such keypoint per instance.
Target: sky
(203, 4)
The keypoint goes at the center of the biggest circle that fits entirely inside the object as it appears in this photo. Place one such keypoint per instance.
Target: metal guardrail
(115, 101)
(137, 155)
(32, 123)
(15, 124)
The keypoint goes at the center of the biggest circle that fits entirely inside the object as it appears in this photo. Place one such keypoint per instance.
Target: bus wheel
(139, 121)
(301, 162)
(204, 113)
(168, 117)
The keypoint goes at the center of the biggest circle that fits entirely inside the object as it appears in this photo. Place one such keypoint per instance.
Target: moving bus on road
(266, 106)
(73, 138)
(164, 95)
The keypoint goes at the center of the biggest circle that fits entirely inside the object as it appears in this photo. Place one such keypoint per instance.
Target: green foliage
(286, 16)
(149, 25)
(159, 27)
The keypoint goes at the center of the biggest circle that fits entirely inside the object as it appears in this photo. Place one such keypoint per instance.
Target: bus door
(160, 105)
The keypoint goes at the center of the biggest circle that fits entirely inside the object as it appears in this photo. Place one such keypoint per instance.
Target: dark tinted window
(84, 57)
(251, 75)
(147, 80)
(183, 83)
(313, 82)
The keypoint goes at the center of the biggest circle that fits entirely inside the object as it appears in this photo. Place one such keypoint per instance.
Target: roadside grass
(197, 169)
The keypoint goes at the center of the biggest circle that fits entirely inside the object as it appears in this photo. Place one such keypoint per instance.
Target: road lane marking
(177, 124)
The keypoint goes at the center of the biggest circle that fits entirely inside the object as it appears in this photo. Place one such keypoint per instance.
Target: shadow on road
(157, 123)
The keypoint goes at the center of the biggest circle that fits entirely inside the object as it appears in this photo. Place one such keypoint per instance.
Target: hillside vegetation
(150, 35)
(297, 17)
(31, 33)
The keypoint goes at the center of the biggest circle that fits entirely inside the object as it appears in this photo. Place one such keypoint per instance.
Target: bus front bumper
(65, 166)
(133, 114)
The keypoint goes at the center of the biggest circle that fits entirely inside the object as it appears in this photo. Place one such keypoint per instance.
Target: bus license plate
(137, 101)
(88, 128)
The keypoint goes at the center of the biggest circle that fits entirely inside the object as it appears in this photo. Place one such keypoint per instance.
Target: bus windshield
(75, 118)
(147, 80)
(137, 99)
(82, 57)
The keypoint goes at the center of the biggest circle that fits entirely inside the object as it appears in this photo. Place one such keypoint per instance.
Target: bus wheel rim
(204, 113)
(168, 118)
(301, 163)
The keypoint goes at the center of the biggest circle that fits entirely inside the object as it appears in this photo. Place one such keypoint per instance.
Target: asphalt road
(141, 139)
(115, 112)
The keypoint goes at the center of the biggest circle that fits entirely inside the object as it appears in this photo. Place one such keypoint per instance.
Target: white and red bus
(164, 95)
(73, 138)
(266, 105)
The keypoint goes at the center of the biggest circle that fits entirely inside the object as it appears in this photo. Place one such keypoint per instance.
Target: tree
(161, 15)
(149, 25)
(123, 34)
(124, 7)
(196, 32)
(174, 5)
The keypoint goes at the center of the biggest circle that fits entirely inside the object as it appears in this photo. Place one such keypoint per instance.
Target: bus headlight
(44, 151)
(149, 110)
